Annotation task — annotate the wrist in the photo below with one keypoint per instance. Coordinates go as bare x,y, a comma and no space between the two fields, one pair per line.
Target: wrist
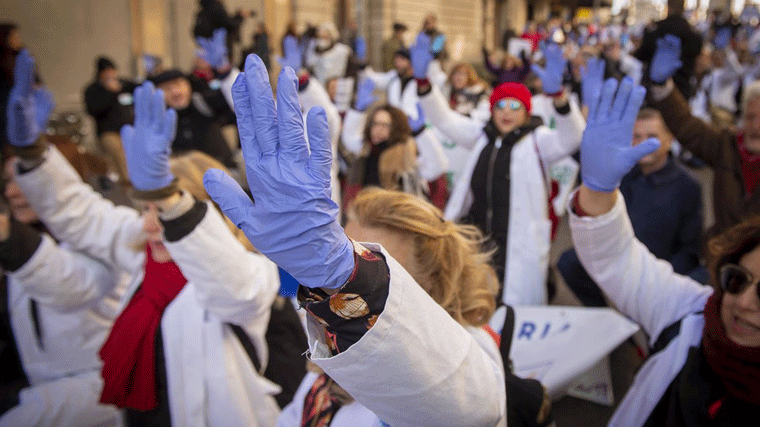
33,153
588,202
658,92
175,205
156,194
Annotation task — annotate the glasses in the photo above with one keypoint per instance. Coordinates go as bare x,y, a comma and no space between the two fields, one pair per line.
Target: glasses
381,124
508,103
735,279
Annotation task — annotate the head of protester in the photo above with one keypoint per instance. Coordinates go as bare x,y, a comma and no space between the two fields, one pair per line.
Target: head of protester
510,107
176,87
402,63
649,124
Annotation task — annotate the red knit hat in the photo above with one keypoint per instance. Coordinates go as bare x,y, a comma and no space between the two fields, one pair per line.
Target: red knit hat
511,90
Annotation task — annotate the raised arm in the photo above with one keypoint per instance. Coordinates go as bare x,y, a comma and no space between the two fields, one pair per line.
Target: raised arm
295,224
640,285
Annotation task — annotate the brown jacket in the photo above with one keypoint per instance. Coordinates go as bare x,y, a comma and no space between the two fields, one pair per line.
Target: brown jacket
717,148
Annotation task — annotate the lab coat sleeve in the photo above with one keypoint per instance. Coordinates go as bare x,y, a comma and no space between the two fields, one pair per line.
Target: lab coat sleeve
353,127
415,366
460,129
565,139
432,161
77,215
643,287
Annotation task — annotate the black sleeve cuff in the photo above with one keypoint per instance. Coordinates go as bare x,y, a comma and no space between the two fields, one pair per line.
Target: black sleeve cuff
563,110
19,247
176,229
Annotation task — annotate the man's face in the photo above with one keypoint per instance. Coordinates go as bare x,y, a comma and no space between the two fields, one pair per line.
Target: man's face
403,66
177,93
652,128
430,22
751,125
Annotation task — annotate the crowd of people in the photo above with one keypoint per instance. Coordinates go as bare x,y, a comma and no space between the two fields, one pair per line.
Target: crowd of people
409,203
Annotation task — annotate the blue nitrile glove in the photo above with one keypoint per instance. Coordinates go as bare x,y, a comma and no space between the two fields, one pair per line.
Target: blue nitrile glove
360,49
364,96
722,38
147,144
436,46
421,56
291,54
23,123
44,105
592,80
606,151
419,123
666,60
552,76
215,48
292,220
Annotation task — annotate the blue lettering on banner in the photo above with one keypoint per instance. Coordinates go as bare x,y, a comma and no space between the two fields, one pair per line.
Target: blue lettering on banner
528,328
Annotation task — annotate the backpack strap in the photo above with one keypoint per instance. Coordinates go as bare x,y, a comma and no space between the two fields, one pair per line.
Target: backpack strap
248,346
667,335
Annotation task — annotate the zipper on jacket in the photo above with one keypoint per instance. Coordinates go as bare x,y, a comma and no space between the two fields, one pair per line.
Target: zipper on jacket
489,187
35,314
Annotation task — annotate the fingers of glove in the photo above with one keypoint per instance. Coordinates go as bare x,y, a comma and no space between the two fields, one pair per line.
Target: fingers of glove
262,104
24,73
289,117
157,109
648,146
127,134
420,113
608,97
635,101
540,72
142,104
621,98
320,161
673,44
226,193
242,102
169,126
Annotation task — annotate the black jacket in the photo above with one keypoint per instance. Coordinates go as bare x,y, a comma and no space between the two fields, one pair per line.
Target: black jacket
105,107
199,127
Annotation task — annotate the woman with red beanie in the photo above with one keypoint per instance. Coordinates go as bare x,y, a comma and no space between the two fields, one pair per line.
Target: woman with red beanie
704,365
503,188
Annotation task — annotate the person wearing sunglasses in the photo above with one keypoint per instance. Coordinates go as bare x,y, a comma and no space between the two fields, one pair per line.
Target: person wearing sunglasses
502,189
704,365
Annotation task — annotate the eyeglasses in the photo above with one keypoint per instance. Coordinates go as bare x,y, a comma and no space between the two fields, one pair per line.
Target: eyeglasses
735,279
508,103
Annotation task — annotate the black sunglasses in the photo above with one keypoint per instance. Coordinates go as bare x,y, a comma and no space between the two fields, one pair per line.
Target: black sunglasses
735,279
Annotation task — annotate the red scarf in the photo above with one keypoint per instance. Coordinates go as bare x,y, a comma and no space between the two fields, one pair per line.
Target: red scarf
738,367
129,370
750,166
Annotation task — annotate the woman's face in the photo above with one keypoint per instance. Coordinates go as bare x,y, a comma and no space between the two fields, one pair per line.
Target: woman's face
14,40
740,313
459,79
508,115
380,127
154,233
19,206
398,245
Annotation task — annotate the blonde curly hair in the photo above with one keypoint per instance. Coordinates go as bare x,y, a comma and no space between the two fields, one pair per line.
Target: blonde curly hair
449,259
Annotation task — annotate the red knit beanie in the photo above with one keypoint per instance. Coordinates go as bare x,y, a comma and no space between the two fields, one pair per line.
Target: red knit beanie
511,90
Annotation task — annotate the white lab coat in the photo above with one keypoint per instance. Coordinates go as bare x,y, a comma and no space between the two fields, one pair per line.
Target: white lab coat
647,290
417,366
529,227
211,380
77,300
331,63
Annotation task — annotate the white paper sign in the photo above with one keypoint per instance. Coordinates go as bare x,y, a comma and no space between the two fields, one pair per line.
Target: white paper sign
595,385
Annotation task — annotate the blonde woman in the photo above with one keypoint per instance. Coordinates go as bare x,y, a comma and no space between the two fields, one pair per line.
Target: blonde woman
444,258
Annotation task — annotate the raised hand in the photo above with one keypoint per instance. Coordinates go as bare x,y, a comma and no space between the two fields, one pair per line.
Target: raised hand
23,122
606,151
419,123
556,64
421,56
592,80
44,105
215,49
291,54
360,49
722,38
666,60
364,96
292,219
147,144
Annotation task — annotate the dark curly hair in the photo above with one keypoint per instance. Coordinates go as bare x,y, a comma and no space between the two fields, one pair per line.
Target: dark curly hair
400,130
732,244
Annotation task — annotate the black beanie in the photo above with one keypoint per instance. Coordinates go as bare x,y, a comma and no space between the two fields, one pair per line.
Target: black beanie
104,63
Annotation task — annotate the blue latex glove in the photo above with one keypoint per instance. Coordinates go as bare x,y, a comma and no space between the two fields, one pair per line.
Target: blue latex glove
606,151
293,220
360,49
215,49
421,56
556,64
147,144
666,60
22,116
364,96
437,45
291,54
44,105
722,38
592,80
419,123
